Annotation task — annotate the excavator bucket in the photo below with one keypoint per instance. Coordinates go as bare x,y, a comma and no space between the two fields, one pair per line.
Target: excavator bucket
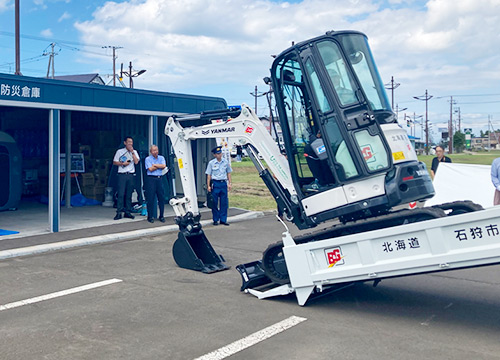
252,275
193,251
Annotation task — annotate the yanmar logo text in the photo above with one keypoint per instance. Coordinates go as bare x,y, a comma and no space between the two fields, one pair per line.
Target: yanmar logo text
223,130
219,131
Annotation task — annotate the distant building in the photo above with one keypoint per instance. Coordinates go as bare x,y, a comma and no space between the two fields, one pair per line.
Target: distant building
480,143
82,78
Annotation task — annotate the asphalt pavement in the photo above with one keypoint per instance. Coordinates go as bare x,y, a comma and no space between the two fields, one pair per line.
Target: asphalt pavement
151,309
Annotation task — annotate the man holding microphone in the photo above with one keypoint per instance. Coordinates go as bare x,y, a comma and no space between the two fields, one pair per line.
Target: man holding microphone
126,159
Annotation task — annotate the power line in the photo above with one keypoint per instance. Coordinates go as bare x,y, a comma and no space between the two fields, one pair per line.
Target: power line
481,102
39,38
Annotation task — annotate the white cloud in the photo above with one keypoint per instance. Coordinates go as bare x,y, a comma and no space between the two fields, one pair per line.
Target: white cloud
64,16
40,3
212,45
4,5
46,33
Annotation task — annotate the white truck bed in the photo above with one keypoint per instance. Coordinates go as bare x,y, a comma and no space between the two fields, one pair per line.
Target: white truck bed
448,243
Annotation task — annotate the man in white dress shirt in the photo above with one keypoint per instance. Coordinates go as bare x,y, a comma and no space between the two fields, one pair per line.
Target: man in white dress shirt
126,159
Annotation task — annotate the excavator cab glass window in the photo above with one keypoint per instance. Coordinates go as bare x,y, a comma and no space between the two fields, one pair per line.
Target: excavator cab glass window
361,60
309,154
343,162
340,77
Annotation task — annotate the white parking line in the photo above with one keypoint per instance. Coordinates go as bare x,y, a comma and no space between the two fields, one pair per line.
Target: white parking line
252,339
58,294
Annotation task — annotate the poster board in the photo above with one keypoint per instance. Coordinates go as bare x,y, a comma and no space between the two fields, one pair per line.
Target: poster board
454,182
77,163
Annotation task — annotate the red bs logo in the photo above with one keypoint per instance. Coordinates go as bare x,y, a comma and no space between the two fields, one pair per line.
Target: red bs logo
367,152
334,257
249,129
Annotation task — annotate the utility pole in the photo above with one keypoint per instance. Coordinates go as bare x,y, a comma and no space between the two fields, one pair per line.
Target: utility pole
18,42
457,110
426,98
130,82
255,94
450,126
51,61
490,126
114,60
489,134
391,86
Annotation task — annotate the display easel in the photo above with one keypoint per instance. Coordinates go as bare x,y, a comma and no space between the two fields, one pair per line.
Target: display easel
77,166
73,175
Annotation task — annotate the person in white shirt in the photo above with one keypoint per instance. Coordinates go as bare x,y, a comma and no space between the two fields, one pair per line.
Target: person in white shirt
125,158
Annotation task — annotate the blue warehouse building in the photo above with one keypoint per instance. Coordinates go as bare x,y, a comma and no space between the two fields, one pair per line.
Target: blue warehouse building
42,120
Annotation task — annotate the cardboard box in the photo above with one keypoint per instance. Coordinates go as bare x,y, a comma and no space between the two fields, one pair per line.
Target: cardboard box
86,150
87,179
105,152
99,193
30,174
88,191
101,179
93,192
102,165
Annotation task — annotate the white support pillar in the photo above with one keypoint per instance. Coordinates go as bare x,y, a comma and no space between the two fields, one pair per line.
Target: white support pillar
54,176
67,191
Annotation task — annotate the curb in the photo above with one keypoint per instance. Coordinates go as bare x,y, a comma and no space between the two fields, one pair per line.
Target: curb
100,239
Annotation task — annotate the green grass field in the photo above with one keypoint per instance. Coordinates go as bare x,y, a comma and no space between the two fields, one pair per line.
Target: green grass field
249,191
482,158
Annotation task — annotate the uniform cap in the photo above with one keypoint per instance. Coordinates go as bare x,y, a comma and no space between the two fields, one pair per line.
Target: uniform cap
217,150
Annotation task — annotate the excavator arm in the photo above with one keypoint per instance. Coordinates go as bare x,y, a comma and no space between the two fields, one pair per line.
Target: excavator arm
248,131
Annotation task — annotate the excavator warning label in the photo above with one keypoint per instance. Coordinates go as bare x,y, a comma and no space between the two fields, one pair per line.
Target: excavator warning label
334,256
180,164
398,155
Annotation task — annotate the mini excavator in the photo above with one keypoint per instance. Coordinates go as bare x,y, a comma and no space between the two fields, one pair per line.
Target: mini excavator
347,159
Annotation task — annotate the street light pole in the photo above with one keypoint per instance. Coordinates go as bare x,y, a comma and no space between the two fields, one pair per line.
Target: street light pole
415,117
130,73
393,85
426,98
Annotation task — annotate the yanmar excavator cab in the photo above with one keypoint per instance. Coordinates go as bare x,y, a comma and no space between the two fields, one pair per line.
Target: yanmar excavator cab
345,158
348,156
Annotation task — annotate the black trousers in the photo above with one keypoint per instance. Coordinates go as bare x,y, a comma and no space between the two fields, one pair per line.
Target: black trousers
126,185
154,189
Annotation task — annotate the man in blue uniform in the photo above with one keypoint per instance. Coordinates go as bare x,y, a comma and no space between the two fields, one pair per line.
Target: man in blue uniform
219,183
154,188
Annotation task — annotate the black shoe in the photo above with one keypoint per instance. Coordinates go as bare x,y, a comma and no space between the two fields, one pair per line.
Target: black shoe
162,219
151,220
118,216
224,223
129,216
216,223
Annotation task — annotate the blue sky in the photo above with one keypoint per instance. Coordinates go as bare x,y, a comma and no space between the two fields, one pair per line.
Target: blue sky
224,47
